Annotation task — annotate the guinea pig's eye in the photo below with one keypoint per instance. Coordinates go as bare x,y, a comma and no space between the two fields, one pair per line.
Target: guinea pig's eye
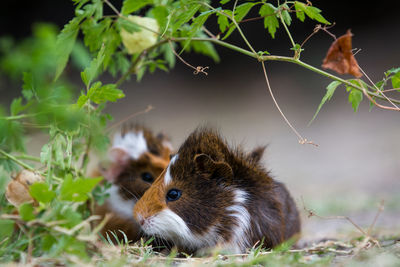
174,194
147,177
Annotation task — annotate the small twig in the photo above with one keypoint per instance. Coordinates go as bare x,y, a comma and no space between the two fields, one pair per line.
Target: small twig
311,213
11,157
210,34
376,103
112,7
317,28
148,109
378,90
197,69
301,139
380,209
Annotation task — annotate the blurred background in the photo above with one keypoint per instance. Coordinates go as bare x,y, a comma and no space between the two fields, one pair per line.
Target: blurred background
357,162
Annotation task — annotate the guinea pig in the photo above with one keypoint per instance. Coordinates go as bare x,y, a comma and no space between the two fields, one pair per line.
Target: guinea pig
211,195
136,159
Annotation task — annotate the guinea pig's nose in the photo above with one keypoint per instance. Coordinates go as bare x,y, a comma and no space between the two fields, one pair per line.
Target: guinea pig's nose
141,221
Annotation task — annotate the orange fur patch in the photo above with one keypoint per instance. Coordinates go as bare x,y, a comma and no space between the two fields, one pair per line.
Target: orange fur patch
153,200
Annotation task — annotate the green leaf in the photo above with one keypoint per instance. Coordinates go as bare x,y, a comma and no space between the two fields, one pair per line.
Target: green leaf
65,43
16,107
45,154
205,48
127,25
242,10
6,229
77,190
101,94
310,11
184,17
392,71
91,71
161,13
130,6
222,22
198,22
26,212
169,56
28,86
285,14
355,97
396,80
223,2
299,11
41,192
270,21
330,89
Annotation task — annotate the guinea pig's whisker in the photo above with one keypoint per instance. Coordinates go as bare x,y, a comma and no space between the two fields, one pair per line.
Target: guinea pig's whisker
127,190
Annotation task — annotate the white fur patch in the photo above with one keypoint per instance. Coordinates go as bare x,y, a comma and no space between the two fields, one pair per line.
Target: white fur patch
239,241
167,176
167,224
133,143
118,204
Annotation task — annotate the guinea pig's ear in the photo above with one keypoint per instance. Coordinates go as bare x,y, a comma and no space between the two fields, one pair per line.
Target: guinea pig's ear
217,169
256,155
166,144
119,159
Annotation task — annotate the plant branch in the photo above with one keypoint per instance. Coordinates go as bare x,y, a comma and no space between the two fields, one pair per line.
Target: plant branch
20,163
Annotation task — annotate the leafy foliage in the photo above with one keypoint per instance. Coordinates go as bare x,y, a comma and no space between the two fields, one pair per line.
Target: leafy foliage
59,220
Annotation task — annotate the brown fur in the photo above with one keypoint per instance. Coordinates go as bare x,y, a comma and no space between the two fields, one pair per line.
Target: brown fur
210,175
125,173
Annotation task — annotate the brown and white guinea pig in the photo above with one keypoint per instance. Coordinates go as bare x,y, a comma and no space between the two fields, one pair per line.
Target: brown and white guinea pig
136,159
211,195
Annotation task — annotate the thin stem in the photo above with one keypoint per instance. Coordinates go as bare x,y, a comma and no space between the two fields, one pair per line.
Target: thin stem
112,7
22,116
286,28
301,139
377,89
11,157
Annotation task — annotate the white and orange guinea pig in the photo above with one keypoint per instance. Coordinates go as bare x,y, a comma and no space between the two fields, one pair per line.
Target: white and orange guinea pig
136,159
211,195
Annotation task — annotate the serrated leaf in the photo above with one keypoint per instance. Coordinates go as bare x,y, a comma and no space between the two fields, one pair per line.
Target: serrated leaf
198,22
223,22
128,25
28,86
286,15
205,48
41,192
392,71
299,11
396,80
77,190
130,6
242,10
65,43
355,98
91,71
330,89
311,11
161,13
270,21
45,154
16,106
184,17
101,94
169,55
26,212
